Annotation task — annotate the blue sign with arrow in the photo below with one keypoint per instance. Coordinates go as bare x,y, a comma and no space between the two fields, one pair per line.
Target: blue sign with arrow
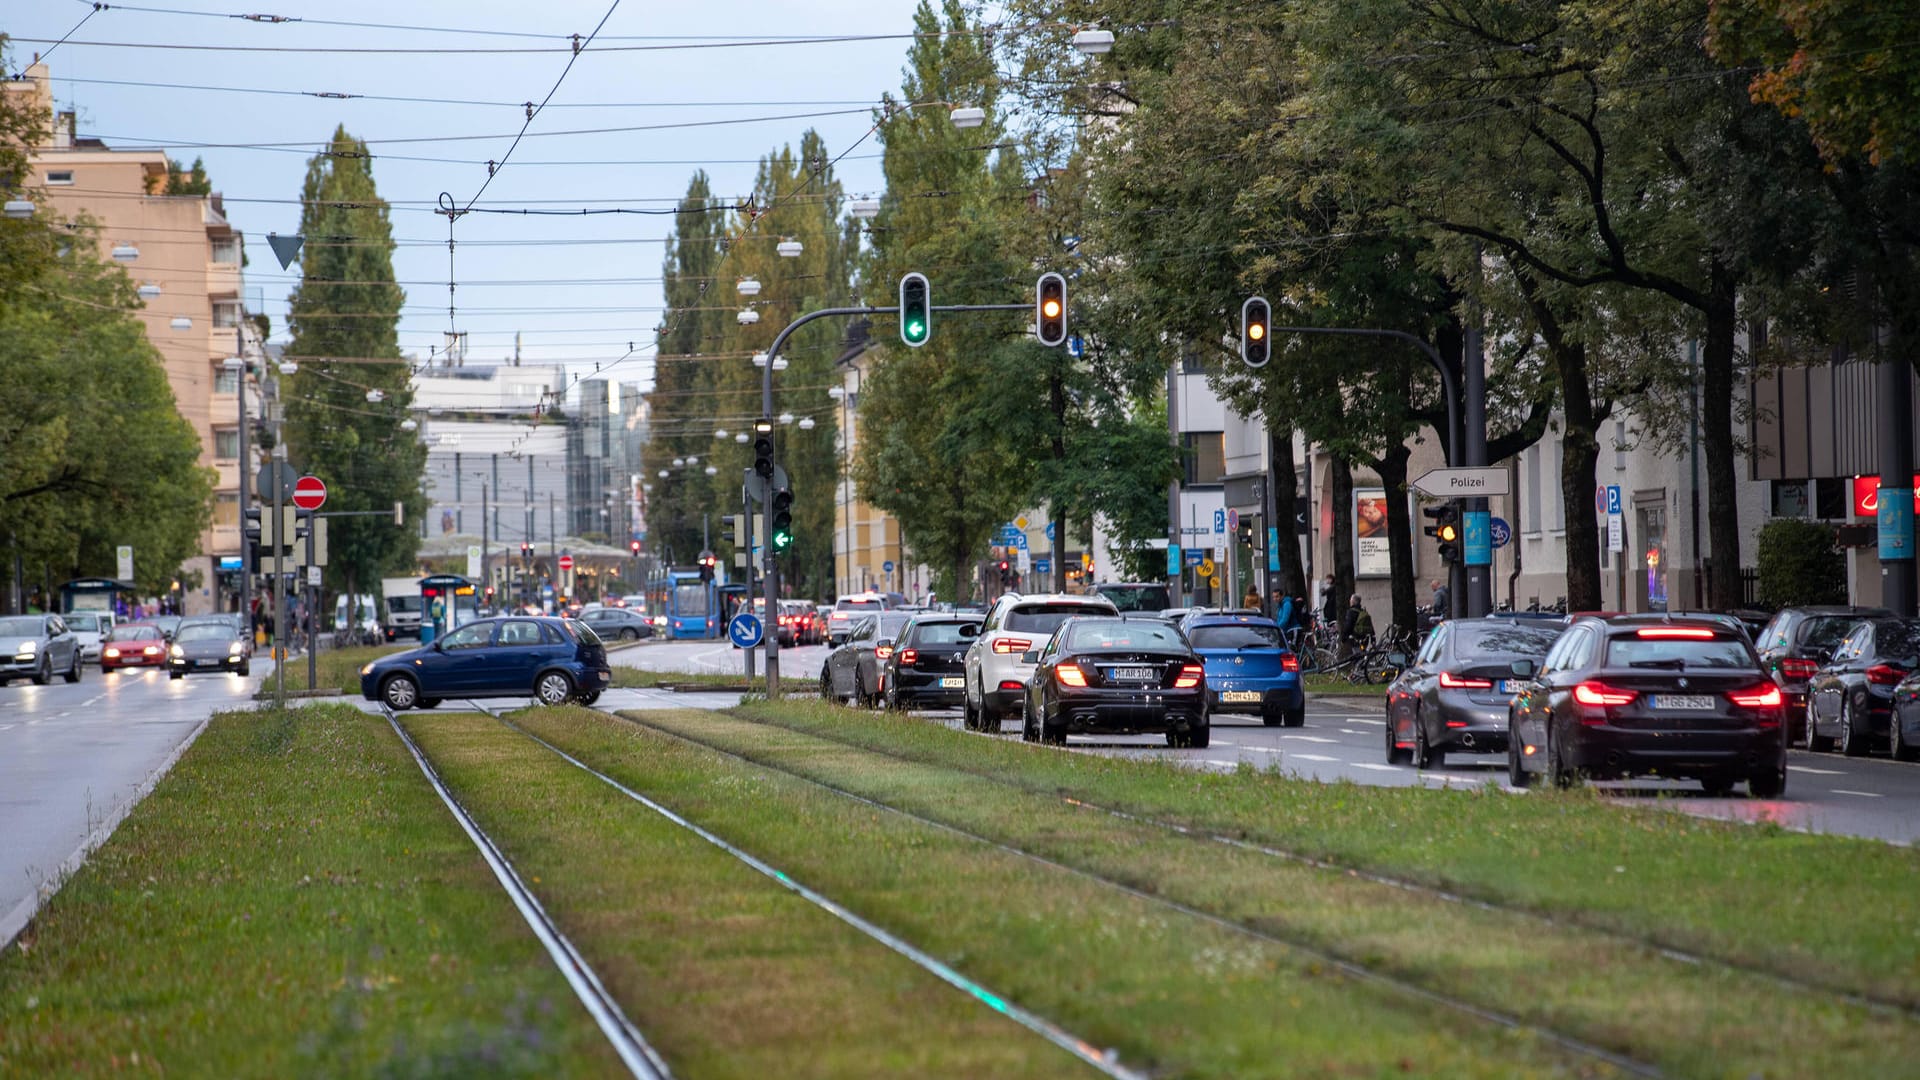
745,631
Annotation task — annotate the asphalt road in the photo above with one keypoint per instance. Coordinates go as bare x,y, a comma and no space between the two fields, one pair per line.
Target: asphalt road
1344,739
73,757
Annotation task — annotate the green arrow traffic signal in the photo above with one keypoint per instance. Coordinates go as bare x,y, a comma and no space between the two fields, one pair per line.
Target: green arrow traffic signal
916,310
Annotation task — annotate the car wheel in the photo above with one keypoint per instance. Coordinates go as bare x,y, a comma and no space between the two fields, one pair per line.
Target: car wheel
1050,734
176,674
1557,770
1273,716
400,692
245,669
589,697
426,702
826,685
553,688
73,673
1902,749
1717,787
968,718
1767,785
629,634
1424,755
1517,775
1816,742
45,675
861,699
1029,730
1853,742
1396,754
990,717
1297,717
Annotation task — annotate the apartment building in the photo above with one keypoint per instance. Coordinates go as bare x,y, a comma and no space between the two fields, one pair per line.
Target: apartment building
868,552
185,259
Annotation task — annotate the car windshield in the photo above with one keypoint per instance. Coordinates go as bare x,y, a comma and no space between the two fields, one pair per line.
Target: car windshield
84,623
1511,639
890,626
134,633
1897,639
22,626
940,633
1632,650
863,605
1102,634
690,599
1825,631
1136,597
1045,620
204,632
1236,636
400,604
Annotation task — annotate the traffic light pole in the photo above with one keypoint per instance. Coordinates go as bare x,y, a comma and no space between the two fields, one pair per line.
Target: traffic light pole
770,563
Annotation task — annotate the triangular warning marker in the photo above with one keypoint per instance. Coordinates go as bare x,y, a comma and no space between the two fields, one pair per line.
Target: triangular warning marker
285,247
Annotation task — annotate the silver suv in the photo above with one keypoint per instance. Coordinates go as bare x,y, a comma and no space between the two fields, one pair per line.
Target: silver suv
996,676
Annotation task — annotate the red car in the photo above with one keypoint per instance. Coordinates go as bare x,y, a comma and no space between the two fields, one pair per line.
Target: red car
133,645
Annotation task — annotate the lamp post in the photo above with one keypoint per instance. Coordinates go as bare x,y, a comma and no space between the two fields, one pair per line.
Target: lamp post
238,365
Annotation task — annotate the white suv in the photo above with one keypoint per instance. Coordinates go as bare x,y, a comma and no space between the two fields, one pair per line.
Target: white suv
996,676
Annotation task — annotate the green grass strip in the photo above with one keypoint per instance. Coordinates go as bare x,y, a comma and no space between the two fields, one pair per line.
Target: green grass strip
1175,994
1757,895
291,900
1687,1018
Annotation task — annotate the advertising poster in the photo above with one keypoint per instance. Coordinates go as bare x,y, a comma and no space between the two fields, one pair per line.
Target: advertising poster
1372,553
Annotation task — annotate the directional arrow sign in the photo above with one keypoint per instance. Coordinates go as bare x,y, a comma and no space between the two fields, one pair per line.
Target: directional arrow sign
1462,483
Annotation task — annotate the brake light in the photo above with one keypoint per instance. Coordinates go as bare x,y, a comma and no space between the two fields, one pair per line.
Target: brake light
1455,682
1794,667
1190,676
1885,674
1011,645
881,652
1289,662
1689,633
1764,696
1070,675
1598,693
908,657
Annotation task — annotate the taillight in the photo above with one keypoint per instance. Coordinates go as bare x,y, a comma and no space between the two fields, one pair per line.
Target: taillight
1289,662
908,657
1794,667
1598,693
1070,675
1455,682
1690,633
881,652
1764,696
1884,674
1190,676
1011,645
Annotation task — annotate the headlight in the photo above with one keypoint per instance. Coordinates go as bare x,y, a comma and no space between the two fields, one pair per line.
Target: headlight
178,652
113,652
368,670
29,646
152,650
233,648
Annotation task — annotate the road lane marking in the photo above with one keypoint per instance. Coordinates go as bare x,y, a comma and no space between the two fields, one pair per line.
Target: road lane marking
1376,767
1310,738
1262,749
1313,757
1364,720
1217,761
1861,794
1816,772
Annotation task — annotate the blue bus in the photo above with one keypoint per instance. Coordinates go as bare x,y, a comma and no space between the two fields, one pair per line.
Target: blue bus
691,606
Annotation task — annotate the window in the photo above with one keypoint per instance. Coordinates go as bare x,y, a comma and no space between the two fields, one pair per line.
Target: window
1790,498
226,250
1205,456
226,509
225,381
226,443
1236,636
61,177
1557,519
1531,522
1192,362
519,632
226,313
468,637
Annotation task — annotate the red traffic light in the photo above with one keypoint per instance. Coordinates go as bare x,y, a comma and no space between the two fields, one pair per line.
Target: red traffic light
633,546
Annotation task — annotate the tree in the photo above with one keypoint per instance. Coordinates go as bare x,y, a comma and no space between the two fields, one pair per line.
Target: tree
344,319
182,180
689,340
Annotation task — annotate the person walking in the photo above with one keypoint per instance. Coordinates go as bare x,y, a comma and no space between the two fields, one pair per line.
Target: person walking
1356,628
1442,599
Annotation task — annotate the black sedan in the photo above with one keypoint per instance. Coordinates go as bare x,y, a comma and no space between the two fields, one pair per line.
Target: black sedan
928,668
1107,675
1649,696
552,660
1796,642
207,646
852,669
1850,698
611,624
1454,696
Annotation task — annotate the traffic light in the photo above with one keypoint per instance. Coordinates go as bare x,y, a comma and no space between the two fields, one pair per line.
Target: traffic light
1256,326
634,546
734,531
1445,529
763,453
707,563
782,519
1050,309
526,550
916,310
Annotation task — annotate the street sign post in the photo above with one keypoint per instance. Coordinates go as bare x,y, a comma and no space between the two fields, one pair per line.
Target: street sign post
274,481
1462,483
566,563
744,630
309,493
1502,533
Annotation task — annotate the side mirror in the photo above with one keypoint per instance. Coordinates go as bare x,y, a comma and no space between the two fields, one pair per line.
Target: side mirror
969,630
1823,657
1031,656
439,646
883,643
1522,668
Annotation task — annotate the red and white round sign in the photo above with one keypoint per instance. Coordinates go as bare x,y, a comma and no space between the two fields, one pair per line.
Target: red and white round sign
309,493
566,562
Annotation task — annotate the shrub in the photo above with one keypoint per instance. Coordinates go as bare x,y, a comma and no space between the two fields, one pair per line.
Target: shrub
1799,564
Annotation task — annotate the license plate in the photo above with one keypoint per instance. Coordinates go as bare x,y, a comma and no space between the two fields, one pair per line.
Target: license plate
1696,702
1240,695
207,663
953,682
1135,674
1505,686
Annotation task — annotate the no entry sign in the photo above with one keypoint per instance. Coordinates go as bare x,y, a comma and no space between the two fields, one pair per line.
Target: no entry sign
566,562
309,493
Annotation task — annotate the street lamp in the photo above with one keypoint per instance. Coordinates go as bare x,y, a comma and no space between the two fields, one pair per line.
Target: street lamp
712,471
747,317
741,438
288,367
806,423
148,291
663,474
678,462
181,322
836,392
409,424
789,248
1093,42
866,209
759,359
719,433
968,116
125,252
747,287
19,208
375,397
786,418
779,363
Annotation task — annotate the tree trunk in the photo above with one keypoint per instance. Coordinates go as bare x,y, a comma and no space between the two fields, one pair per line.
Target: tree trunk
1341,494
1580,451
1393,477
1717,366
1282,481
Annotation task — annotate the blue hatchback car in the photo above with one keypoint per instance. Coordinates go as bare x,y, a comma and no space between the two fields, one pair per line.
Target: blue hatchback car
550,660
1249,668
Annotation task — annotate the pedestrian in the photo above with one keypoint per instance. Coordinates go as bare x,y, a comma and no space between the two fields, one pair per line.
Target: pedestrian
1283,612
1356,628
1441,599
1326,600
1252,599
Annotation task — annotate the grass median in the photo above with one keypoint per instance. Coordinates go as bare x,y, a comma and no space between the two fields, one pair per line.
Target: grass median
1757,895
291,900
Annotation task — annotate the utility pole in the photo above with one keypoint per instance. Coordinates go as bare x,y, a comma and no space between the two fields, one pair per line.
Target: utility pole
1895,517
246,465
486,580
280,544
1476,547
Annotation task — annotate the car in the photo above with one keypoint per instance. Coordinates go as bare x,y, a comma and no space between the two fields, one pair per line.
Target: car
206,646
1648,695
1135,595
823,613
851,671
928,665
792,625
996,668
135,644
168,624
1453,697
1250,670
1113,676
1850,697
847,611
622,624
38,647
1903,727
233,621
1796,642
550,659
90,628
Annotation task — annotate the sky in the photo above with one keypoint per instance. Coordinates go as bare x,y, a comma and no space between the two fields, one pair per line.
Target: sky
571,300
